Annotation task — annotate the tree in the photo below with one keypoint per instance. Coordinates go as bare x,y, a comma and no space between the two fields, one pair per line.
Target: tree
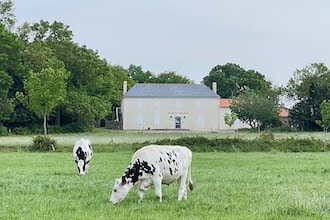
137,74
232,80
7,16
308,88
325,113
11,75
6,104
230,119
259,110
44,91
90,77
170,77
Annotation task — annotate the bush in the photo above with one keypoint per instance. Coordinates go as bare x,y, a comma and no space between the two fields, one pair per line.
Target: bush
76,128
41,143
3,131
266,142
21,130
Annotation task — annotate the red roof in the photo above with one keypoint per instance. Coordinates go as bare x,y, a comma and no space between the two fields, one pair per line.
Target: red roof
225,103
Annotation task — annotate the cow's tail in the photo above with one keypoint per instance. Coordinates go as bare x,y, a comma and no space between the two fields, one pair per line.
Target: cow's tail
190,182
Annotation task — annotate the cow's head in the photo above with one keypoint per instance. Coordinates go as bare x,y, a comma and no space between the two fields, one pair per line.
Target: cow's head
81,161
120,190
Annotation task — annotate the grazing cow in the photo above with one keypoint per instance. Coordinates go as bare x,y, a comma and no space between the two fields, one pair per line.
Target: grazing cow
82,153
155,165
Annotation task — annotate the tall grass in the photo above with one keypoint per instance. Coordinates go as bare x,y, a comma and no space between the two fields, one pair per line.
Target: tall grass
227,186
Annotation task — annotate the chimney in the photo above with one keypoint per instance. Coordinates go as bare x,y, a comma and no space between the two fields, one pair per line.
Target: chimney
124,87
214,87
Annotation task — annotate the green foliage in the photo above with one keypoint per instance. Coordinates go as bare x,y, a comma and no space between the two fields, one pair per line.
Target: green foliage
7,16
45,90
42,143
257,109
3,130
309,87
137,74
265,143
170,77
230,118
325,113
233,80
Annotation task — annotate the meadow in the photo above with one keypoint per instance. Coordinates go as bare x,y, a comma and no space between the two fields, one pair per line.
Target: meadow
255,185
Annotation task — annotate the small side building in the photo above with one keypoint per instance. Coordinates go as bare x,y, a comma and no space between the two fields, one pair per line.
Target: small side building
155,106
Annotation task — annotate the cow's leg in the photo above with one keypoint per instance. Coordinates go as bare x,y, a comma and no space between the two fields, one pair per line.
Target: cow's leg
158,188
182,194
141,194
86,167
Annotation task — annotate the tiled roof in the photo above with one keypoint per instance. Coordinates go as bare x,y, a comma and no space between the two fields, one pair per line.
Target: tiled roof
284,112
225,103
170,90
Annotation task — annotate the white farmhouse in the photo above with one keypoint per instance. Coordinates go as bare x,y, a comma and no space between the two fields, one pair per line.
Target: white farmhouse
153,106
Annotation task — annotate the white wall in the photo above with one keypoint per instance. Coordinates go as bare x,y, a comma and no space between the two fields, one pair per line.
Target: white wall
161,113
224,127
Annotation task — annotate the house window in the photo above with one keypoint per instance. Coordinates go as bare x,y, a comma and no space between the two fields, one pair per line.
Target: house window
139,120
138,104
201,121
178,104
198,104
157,105
156,120
177,122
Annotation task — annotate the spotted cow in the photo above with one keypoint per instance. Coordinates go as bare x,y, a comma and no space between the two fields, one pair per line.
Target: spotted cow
82,153
155,165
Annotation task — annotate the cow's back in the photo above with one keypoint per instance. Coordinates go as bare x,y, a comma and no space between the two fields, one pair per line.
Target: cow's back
169,161
85,146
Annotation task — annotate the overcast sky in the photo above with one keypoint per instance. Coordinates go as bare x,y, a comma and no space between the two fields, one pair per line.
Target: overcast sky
190,37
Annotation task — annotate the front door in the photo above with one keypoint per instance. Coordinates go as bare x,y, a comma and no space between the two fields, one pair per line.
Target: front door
177,122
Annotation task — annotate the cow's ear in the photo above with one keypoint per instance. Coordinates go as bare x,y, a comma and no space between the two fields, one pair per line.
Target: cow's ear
123,181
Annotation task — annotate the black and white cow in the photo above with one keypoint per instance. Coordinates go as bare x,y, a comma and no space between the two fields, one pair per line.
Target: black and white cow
155,165
82,154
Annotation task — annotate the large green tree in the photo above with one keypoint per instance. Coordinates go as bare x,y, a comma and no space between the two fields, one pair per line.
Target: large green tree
170,77
11,74
90,81
308,87
232,80
44,91
259,110
45,85
6,104
137,74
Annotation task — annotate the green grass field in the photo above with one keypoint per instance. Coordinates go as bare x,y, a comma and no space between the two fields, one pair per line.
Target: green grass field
227,186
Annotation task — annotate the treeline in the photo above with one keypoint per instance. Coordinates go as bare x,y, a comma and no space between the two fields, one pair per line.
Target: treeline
47,81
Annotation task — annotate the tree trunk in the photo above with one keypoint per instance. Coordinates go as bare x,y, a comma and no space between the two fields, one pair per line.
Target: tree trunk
45,125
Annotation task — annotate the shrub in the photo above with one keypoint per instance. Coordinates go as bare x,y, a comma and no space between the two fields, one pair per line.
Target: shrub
21,130
41,143
76,128
3,130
